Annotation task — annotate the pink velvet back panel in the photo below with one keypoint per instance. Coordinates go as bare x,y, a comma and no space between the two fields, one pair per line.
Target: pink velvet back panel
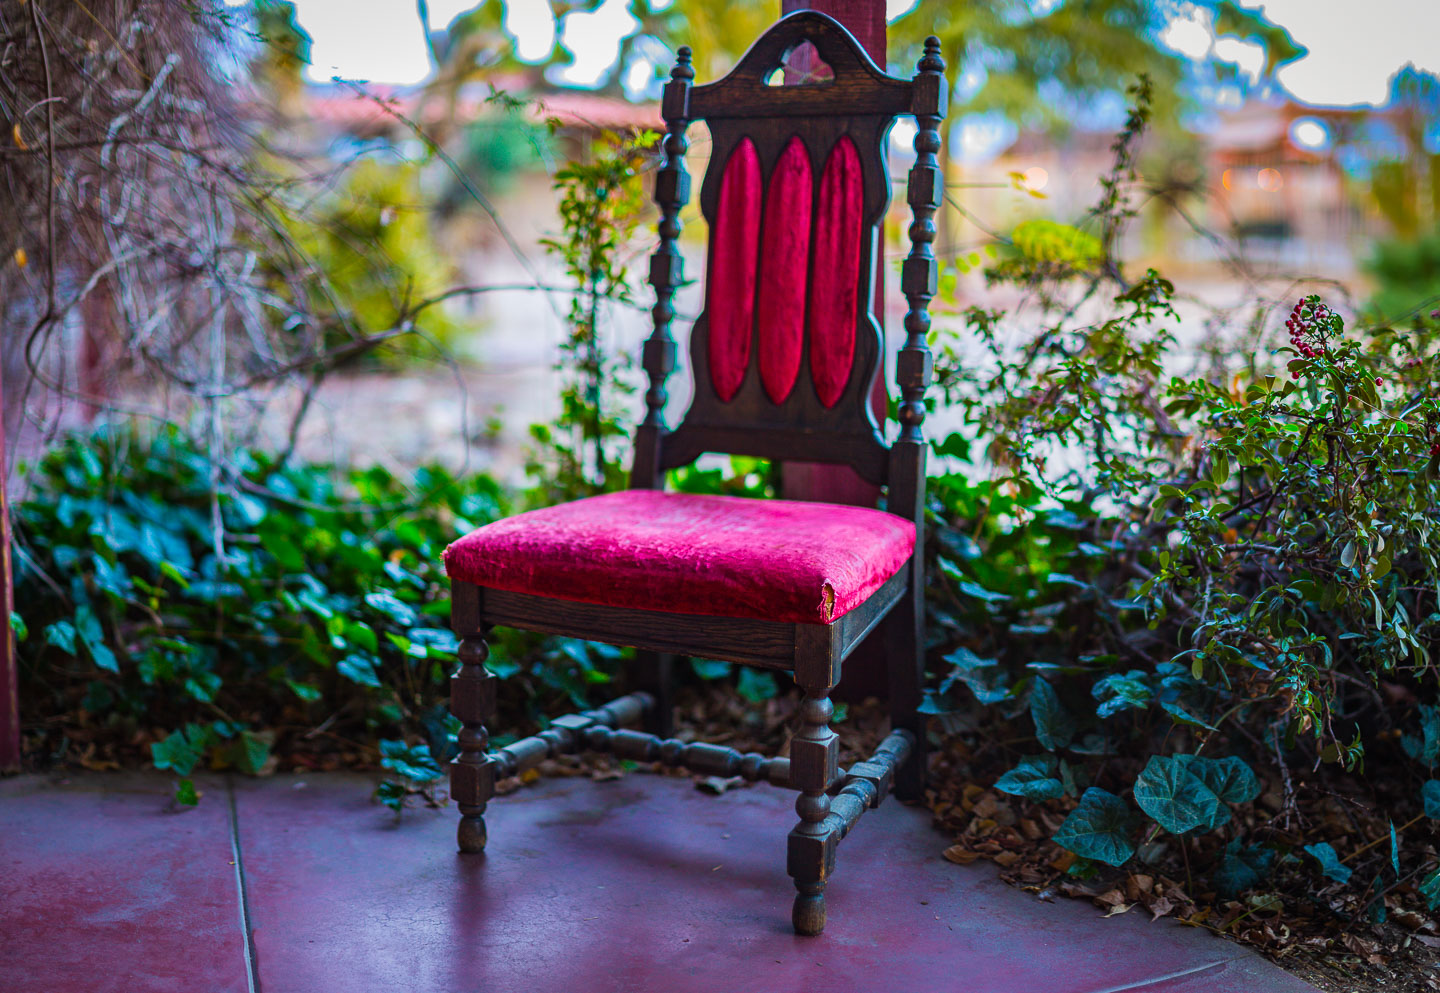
734,248
835,278
784,254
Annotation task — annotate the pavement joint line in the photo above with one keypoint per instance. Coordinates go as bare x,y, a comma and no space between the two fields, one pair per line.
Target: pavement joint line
1145,984
251,979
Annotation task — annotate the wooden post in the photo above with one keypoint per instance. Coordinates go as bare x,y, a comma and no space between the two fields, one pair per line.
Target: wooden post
9,667
865,669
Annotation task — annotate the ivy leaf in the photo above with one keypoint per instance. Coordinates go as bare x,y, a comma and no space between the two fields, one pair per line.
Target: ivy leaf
391,794
1229,778
1430,890
1116,692
1241,867
1330,863
756,685
61,634
1430,797
1426,748
87,626
304,691
1054,727
709,669
285,552
185,792
412,762
984,676
250,752
1099,828
1176,798
359,668
392,607
1034,778
981,593
176,752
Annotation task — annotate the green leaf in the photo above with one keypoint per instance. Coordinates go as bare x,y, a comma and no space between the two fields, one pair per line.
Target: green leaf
391,794
1241,867
1427,747
1430,890
61,634
1430,797
1099,828
304,691
249,752
980,592
361,635
359,668
414,762
1330,863
1116,692
392,607
1229,778
87,625
176,752
1183,716
1054,727
279,545
983,676
709,669
1176,798
1394,850
185,792
17,625
1034,778
756,685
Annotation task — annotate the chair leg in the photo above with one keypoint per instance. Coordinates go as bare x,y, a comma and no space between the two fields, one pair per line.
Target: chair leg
472,776
906,650
654,672
814,754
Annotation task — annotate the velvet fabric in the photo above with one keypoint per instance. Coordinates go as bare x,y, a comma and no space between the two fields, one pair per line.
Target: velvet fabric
784,261
779,560
835,276
734,249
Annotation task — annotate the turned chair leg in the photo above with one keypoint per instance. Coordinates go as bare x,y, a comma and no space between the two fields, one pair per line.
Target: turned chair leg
472,776
906,651
654,673
814,754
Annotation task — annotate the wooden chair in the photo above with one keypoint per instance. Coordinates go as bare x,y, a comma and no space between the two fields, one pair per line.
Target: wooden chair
785,357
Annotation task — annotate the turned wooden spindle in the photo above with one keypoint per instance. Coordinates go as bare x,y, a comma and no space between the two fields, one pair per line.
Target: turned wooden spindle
667,271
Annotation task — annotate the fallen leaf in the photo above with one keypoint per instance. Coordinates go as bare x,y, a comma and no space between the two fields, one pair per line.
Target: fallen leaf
960,856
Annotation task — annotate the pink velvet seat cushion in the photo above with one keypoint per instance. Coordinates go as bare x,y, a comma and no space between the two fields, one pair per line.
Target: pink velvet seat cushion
781,560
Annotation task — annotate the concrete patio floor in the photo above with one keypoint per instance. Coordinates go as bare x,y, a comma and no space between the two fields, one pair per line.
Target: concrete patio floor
301,883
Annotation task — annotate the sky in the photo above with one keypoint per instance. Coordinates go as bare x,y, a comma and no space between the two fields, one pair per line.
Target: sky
1354,48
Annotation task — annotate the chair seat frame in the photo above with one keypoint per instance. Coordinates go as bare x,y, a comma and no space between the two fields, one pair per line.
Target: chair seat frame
830,800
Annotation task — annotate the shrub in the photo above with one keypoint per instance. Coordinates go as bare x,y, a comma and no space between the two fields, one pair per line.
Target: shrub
1206,571
231,602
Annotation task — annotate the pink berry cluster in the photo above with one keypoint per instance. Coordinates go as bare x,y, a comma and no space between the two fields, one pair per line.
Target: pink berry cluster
1307,323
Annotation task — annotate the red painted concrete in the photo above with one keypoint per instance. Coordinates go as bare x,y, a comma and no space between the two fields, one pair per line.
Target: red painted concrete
645,884
102,889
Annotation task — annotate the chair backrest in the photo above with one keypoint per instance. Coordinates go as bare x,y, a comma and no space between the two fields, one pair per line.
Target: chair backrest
786,349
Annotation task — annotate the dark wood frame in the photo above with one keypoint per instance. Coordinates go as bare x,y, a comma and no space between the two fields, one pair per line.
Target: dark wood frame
860,101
